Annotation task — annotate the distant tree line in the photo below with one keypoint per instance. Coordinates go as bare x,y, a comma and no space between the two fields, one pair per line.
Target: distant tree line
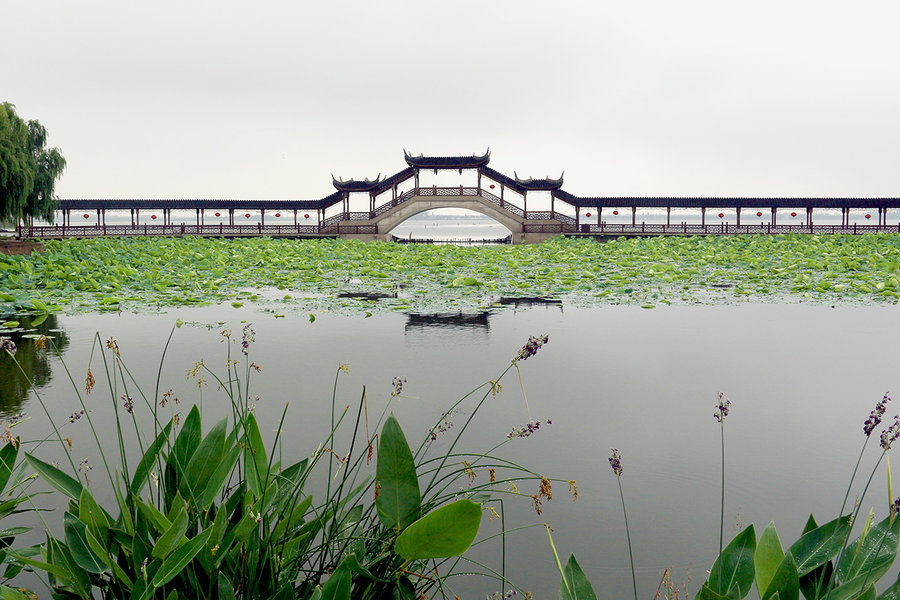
28,170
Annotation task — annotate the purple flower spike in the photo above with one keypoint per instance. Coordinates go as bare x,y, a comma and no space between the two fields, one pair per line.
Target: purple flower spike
890,435
248,337
722,408
875,416
397,382
615,461
531,347
8,345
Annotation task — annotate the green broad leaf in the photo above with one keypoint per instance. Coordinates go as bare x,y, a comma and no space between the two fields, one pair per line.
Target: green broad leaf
8,455
767,557
785,582
817,547
76,539
574,584
404,589
442,533
180,558
205,460
855,588
187,441
399,500
706,593
103,554
59,571
893,592
62,482
173,537
153,516
733,569
147,461
91,514
338,585
814,583
219,477
61,557
226,590
8,593
255,462
873,553
39,305
868,594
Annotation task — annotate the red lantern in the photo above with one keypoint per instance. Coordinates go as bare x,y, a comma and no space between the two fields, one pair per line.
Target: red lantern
152,216
868,216
87,216
721,215
759,214
306,216
793,214
492,186
587,214
218,214
247,215
615,212
277,214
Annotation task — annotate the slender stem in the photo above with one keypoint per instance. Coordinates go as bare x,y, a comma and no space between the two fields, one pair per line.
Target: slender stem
628,536
722,507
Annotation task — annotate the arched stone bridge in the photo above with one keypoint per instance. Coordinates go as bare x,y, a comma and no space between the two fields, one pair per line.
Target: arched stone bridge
532,209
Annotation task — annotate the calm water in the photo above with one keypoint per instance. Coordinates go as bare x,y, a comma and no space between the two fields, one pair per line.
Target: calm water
802,379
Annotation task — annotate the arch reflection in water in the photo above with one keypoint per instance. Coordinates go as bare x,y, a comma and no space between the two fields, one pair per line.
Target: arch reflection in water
37,339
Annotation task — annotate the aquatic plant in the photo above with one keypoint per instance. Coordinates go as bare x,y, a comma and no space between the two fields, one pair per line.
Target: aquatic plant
215,512
112,274
822,564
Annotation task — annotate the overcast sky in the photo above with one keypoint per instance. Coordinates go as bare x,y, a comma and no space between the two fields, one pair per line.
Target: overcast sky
234,99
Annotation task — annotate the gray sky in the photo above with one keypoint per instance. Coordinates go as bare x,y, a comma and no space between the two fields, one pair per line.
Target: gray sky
266,99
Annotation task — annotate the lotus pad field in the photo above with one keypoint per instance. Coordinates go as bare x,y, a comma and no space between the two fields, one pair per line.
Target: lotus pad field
154,274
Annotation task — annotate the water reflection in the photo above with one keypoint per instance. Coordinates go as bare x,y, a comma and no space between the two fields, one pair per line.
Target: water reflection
33,357
530,302
460,320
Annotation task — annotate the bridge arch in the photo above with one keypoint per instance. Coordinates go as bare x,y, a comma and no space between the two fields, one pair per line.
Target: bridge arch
418,204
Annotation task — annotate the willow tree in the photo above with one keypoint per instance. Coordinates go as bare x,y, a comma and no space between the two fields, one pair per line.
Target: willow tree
28,170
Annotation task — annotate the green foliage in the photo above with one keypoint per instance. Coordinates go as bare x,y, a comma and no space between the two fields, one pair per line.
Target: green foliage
213,512
120,274
28,170
574,584
444,532
399,500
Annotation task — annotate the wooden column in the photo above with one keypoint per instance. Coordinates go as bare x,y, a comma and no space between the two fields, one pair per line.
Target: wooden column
809,221
703,216
738,209
633,216
668,216
774,213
